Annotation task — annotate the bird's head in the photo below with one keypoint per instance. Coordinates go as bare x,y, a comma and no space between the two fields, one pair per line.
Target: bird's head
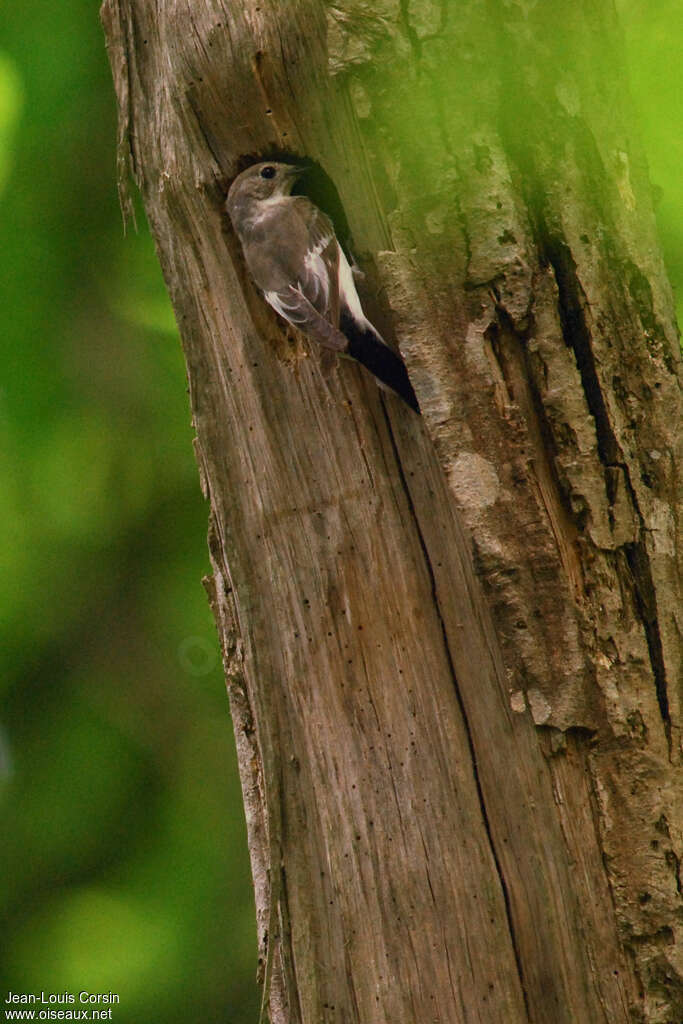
267,180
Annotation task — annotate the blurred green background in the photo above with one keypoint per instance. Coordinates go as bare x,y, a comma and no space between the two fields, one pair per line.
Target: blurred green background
123,859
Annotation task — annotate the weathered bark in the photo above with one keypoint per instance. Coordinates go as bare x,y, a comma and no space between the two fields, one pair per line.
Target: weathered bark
452,643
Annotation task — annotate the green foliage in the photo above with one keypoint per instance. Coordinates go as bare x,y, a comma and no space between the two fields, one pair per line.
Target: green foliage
11,100
653,33
123,861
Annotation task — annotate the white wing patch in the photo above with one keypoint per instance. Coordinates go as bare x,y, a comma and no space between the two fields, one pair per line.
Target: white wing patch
347,290
288,310
316,265
273,299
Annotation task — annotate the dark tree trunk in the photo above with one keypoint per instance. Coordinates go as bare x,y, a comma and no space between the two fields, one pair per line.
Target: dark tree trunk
452,644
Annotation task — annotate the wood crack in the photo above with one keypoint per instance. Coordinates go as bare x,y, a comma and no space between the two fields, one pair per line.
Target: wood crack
411,34
466,725
192,103
577,335
510,354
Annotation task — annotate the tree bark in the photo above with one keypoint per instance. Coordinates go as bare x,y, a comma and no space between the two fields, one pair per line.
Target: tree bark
452,643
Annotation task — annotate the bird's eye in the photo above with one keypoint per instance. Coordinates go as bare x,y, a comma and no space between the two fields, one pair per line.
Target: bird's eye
268,172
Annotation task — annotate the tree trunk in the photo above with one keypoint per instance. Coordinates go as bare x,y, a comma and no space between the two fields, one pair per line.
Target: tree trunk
452,643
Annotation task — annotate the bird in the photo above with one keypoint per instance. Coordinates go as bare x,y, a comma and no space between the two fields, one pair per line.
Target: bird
293,255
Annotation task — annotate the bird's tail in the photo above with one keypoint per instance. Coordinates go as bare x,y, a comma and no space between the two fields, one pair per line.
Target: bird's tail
367,346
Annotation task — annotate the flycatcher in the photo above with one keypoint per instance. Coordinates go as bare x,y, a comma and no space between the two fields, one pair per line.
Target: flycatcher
294,257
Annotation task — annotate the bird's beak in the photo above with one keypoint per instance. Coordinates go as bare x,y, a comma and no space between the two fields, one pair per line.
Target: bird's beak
295,171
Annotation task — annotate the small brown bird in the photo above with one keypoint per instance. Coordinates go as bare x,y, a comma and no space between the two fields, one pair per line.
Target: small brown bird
294,257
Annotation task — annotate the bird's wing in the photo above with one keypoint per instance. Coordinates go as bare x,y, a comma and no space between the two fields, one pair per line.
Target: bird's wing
293,255
296,260
318,277
291,303
293,246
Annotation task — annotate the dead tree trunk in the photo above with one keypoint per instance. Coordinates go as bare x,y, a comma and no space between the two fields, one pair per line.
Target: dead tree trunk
452,643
